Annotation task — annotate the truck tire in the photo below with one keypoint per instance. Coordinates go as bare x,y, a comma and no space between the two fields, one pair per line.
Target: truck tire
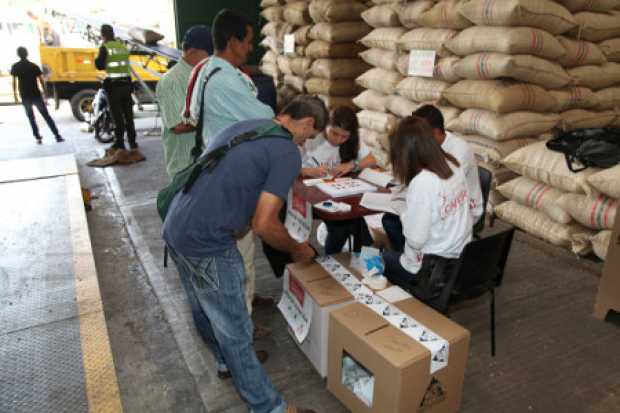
81,104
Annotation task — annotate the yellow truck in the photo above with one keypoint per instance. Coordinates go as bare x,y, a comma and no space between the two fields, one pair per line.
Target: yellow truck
71,75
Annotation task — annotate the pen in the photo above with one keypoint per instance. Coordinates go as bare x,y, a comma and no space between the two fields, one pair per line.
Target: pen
315,161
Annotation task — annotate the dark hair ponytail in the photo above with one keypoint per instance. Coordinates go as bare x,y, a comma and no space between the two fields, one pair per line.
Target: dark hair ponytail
345,118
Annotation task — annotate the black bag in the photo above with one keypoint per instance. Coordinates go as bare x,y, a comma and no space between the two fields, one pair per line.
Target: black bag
584,148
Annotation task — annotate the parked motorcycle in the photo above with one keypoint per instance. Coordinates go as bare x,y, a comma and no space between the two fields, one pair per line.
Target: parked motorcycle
101,120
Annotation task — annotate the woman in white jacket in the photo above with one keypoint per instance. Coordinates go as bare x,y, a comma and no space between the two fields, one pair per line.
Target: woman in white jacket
437,221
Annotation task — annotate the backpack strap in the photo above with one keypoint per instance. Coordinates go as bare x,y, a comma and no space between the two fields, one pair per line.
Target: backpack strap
210,160
198,140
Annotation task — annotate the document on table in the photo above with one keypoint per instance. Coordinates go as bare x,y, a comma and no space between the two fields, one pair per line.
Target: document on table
383,202
342,187
381,179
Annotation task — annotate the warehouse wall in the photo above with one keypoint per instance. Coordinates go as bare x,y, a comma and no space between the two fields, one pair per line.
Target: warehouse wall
191,12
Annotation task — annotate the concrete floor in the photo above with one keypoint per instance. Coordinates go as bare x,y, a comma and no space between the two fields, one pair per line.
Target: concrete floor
551,356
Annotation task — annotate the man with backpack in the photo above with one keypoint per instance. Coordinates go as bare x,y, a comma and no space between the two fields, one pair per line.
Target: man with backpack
203,245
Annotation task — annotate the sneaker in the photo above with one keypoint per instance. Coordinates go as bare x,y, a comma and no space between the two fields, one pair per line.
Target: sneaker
39,141
59,139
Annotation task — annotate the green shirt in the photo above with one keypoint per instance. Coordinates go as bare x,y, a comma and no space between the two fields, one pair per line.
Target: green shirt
171,92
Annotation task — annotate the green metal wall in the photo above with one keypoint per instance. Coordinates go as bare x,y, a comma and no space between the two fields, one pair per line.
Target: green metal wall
191,12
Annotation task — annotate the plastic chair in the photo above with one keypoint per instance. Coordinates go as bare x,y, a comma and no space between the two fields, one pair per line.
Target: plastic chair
482,270
486,177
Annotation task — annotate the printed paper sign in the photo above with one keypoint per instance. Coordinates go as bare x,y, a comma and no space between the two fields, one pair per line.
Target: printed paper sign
422,63
298,217
297,315
289,43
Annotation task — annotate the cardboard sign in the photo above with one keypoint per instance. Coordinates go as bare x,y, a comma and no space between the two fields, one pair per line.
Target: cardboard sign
422,63
289,43
608,297
298,217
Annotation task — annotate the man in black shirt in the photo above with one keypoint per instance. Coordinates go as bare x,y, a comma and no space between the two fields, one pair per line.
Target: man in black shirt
27,73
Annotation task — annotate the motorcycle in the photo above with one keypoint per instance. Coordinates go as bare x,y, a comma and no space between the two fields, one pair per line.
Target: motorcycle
101,120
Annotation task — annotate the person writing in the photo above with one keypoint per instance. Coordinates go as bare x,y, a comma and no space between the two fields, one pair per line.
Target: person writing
338,151
203,246
438,221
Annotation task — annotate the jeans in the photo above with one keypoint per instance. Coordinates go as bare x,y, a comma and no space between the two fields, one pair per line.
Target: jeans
394,229
121,107
217,284
338,232
40,105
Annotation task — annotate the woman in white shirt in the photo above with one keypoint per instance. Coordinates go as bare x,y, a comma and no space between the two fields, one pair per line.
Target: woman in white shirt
338,152
437,221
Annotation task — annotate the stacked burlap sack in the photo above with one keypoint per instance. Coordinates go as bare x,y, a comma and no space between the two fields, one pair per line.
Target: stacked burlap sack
334,50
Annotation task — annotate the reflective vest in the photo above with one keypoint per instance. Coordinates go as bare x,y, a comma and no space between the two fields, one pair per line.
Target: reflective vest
117,62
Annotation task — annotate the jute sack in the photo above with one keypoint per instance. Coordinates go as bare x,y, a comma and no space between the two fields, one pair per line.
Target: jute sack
580,53
300,51
444,15
607,182
544,14
372,138
499,96
270,57
297,13
377,121
272,14
382,158
385,59
284,65
383,38
332,87
410,13
427,39
331,11
536,195
272,44
381,80
300,66
268,3
322,49
502,127
596,77
596,27
531,69
340,32
538,224
444,68
302,35
381,16
543,165
590,5
400,106
596,212
371,100
490,150
338,68
277,30
332,102
449,112
509,40
574,98
420,89
270,69
295,82
600,244
611,49
583,119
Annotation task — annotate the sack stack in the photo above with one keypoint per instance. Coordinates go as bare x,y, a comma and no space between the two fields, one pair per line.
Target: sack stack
334,49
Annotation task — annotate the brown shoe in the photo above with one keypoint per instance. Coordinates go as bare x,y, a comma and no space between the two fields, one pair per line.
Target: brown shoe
293,409
262,300
260,332
261,355
136,156
110,151
122,157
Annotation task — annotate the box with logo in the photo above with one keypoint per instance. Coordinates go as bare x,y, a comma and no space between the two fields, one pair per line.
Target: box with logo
375,367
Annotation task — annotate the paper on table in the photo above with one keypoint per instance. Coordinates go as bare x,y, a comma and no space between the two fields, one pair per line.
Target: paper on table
383,202
381,179
345,187
394,294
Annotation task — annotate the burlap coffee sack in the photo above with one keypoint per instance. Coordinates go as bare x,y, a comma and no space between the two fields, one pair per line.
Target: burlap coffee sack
269,69
596,27
321,49
583,119
377,121
596,77
607,182
427,39
383,38
420,89
273,14
580,53
381,80
295,82
371,100
373,139
268,3
284,65
444,15
297,13
385,59
332,102
503,126
400,106
491,150
302,35
332,11
338,68
590,5
333,87
611,49
381,16
600,244
277,30
300,66
593,212
344,32
574,98
409,13
444,68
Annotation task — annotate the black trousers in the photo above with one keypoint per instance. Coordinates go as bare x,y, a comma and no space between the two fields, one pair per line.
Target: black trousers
277,259
338,233
394,229
121,106
40,105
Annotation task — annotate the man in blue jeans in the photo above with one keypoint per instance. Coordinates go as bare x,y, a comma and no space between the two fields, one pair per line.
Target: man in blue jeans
246,188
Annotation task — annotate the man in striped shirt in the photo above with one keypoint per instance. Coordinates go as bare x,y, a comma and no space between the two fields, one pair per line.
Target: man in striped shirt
177,136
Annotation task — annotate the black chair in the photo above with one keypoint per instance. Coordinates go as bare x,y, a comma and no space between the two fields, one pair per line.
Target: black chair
482,270
437,291
486,177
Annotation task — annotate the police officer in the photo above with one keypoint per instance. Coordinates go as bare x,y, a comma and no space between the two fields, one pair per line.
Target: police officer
113,57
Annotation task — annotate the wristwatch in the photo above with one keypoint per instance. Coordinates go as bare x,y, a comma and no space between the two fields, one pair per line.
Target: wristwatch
356,166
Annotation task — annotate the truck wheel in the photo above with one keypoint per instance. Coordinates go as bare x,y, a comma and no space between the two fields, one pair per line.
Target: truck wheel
82,104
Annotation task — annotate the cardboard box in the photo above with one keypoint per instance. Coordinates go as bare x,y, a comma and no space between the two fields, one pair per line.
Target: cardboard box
608,297
316,290
399,365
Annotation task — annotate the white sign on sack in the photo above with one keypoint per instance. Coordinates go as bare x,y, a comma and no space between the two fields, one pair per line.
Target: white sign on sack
289,43
438,346
422,63
298,217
